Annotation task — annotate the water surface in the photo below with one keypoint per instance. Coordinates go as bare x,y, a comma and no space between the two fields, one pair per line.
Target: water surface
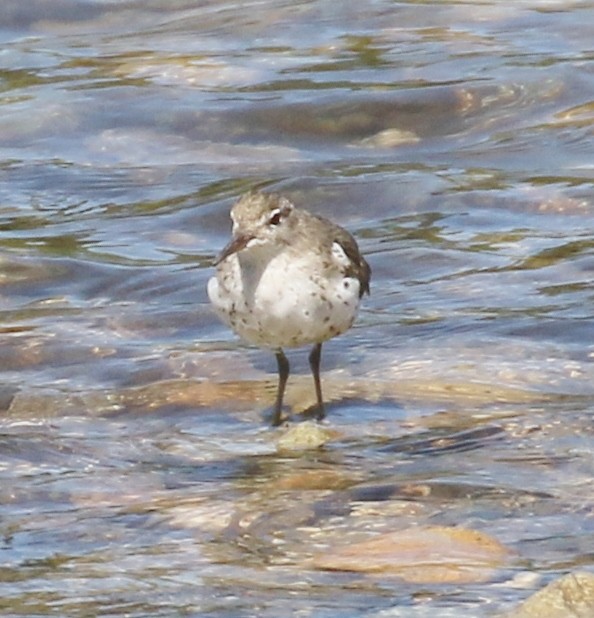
138,475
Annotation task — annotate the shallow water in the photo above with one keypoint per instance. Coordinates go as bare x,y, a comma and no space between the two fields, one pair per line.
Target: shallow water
138,474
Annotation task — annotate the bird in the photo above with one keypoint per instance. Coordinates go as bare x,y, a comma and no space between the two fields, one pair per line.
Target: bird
287,278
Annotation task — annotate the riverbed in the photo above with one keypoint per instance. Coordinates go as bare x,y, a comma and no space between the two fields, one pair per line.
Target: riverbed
139,475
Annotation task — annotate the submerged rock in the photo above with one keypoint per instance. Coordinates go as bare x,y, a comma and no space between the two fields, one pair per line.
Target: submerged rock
424,555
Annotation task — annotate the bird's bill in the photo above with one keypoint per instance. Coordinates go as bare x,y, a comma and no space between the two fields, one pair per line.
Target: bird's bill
237,243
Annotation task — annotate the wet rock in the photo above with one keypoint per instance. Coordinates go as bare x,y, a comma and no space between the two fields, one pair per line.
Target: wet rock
572,596
228,395
390,138
304,436
308,480
424,555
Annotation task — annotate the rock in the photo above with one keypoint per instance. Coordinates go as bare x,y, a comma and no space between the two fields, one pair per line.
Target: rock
571,596
423,555
390,138
313,480
304,436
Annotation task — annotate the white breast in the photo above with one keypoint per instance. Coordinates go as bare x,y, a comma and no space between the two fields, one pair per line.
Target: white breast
287,300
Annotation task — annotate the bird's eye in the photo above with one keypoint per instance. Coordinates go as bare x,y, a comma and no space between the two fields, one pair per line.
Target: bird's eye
275,218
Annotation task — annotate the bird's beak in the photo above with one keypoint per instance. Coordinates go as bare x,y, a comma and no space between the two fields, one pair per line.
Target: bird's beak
237,243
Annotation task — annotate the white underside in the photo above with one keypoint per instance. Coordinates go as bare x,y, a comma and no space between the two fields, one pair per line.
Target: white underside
283,301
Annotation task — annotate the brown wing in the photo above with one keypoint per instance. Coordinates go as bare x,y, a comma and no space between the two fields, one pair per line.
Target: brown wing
359,268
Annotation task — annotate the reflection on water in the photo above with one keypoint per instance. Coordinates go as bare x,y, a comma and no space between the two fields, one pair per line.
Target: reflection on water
137,473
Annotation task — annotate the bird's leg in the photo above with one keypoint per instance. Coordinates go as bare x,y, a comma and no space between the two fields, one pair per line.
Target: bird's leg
314,363
283,375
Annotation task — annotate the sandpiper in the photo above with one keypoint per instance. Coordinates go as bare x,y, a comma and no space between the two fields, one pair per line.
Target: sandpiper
287,278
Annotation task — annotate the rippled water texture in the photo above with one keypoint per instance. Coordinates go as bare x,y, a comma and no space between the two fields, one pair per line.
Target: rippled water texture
138,474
